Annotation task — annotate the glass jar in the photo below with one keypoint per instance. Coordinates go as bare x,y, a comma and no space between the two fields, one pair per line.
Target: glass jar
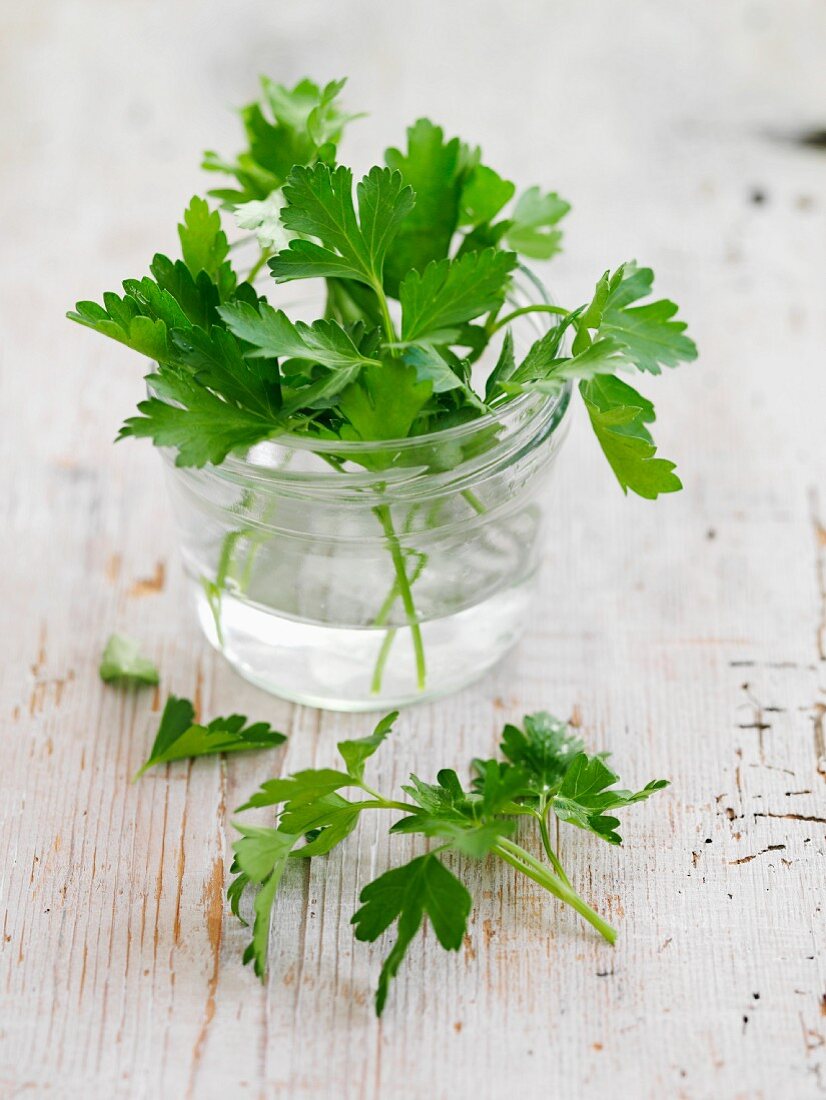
337,586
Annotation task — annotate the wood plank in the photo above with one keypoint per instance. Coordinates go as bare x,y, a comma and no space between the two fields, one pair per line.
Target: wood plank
688,637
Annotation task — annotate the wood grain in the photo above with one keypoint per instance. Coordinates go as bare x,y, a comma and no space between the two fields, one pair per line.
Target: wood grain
688,637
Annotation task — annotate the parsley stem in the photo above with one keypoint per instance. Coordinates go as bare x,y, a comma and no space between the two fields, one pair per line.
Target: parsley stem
522,310
552,856
259,263
523,861
381,660
387,320
384,517
390,635
474,502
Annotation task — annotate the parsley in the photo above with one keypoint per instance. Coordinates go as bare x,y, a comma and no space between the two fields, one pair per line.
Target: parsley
417,261
543,773
122,662
180,737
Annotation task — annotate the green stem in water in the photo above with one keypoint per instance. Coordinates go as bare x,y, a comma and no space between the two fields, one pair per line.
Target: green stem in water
523,861
382,513
506,320
381,660
390,635
474,502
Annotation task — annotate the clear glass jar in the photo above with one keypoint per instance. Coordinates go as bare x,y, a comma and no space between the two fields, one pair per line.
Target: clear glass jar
338,587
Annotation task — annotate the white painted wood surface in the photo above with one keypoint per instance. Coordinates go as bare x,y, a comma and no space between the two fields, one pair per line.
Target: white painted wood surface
689,637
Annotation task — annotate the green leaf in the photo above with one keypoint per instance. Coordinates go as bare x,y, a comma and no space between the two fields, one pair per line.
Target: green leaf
203,242
216,360
197,296
649,337
406,894
302,787
618,416
483,195
384,402
123,663
464,819
543,371
584,796
261,857
433,168
200,425
449,292
287,126
432,366
471,838
180,738
504,369
320,204
329,820
123,320
272,333
356,753
532,226
542,749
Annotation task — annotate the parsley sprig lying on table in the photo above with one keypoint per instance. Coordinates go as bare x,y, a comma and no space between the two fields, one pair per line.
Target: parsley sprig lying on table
544,774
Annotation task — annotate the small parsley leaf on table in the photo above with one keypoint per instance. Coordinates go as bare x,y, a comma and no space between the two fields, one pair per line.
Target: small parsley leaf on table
180,737
122,662
406,894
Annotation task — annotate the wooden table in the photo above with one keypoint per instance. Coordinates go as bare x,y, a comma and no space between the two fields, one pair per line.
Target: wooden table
689,637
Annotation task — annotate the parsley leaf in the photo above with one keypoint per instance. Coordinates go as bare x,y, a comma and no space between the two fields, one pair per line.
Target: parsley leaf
179,737
320,204
543,749
544,772
433,168
203,427
260,859
203,241
122,662
483,195
652,339
123,320
618,415
356,753
272,333
406,894
302,787
584,796
449,292
532,230
287,126
384,403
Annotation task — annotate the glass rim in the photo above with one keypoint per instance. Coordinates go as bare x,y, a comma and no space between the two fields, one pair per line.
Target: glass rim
537,403
521,412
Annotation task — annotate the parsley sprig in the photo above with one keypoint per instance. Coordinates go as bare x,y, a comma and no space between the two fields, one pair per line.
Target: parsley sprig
417,258
417,261
543,774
